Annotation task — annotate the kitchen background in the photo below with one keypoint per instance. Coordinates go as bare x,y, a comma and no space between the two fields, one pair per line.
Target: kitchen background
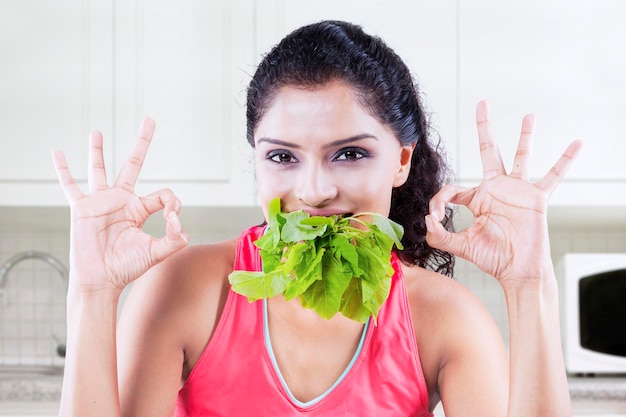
33,308
70,66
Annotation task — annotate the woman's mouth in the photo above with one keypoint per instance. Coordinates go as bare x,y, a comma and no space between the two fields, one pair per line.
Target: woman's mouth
328,213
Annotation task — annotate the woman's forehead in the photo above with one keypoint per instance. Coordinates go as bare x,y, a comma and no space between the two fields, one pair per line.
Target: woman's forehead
331,110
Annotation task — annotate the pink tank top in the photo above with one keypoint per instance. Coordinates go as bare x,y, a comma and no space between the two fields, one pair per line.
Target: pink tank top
237,375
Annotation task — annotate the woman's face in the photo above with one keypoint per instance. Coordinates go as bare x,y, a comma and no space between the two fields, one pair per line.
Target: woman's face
319,151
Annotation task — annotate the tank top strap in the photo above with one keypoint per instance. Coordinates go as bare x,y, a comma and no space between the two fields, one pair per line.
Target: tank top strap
247,253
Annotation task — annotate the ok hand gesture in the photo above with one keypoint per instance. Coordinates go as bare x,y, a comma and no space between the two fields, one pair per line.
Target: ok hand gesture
508,238
108,248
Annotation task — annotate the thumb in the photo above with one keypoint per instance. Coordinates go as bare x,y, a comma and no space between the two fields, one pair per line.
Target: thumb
174,240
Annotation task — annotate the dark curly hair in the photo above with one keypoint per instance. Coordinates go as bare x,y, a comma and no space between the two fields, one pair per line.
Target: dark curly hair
316,54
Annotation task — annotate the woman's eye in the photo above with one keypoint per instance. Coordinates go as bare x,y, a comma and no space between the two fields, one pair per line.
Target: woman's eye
351,154
281,157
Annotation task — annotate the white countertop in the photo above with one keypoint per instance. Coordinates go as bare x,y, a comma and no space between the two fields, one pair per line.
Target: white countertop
41,393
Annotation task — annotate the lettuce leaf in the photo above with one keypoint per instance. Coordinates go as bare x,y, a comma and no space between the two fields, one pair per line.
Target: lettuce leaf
328,263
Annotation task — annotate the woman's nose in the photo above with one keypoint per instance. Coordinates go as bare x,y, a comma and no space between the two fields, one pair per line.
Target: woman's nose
315,186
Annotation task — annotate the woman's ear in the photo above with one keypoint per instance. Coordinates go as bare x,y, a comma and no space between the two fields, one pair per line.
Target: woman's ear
406,154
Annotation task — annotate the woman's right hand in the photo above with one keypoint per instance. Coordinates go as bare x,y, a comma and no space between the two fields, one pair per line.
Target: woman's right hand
108,248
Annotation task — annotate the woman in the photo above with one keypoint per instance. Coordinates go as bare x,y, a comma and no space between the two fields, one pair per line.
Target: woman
337,127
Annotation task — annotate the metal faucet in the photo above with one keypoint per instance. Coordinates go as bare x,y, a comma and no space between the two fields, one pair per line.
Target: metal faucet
31,254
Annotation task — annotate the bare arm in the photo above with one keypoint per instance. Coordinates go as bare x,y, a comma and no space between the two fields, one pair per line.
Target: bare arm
538,380
509,240
90,375
167,321
107,251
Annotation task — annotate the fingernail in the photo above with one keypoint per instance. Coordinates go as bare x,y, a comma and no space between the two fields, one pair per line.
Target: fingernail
173,219
430,225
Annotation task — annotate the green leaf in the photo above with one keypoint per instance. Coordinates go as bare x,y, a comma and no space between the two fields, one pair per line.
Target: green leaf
377,282
295,255
324,296
258,285
375,293
297,228
384,242
271,239
390,228
271,260
273,214
386,226
331,265
347,251
306,274
352,302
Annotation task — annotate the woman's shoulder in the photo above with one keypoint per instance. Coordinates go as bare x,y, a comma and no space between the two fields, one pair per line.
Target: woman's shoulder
436,300
198,264
204,260
196,273
179,301
450,322
427,290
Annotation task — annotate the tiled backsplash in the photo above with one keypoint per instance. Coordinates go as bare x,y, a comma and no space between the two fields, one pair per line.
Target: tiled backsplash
33,309
32,302
563,239
32,306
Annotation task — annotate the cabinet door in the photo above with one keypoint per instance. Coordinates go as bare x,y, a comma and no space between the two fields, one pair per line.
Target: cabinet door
422,32
186,65
563,61
55,85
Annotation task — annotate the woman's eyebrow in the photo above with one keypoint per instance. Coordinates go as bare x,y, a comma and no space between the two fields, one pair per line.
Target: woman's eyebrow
278,142
332,144
351,139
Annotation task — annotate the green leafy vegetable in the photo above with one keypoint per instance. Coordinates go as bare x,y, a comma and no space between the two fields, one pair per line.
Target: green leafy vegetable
328,263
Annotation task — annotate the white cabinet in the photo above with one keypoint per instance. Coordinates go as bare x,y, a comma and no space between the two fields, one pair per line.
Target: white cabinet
55,83
187,65
78,65
72,66
563,61
423,34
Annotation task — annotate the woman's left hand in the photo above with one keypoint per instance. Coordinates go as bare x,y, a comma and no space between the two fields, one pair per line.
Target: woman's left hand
509,235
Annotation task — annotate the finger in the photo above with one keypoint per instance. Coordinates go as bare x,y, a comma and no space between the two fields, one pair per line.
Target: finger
489,153
174,240
68,184
97,173
550,181
129,172
439,238
524,148
164,200
450,193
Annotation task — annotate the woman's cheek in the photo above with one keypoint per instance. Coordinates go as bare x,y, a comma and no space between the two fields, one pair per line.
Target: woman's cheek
270,186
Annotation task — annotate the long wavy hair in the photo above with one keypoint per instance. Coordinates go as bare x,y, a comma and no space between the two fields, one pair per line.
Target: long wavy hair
316,54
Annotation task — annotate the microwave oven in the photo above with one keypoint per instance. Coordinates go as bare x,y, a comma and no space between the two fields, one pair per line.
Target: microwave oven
592,290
